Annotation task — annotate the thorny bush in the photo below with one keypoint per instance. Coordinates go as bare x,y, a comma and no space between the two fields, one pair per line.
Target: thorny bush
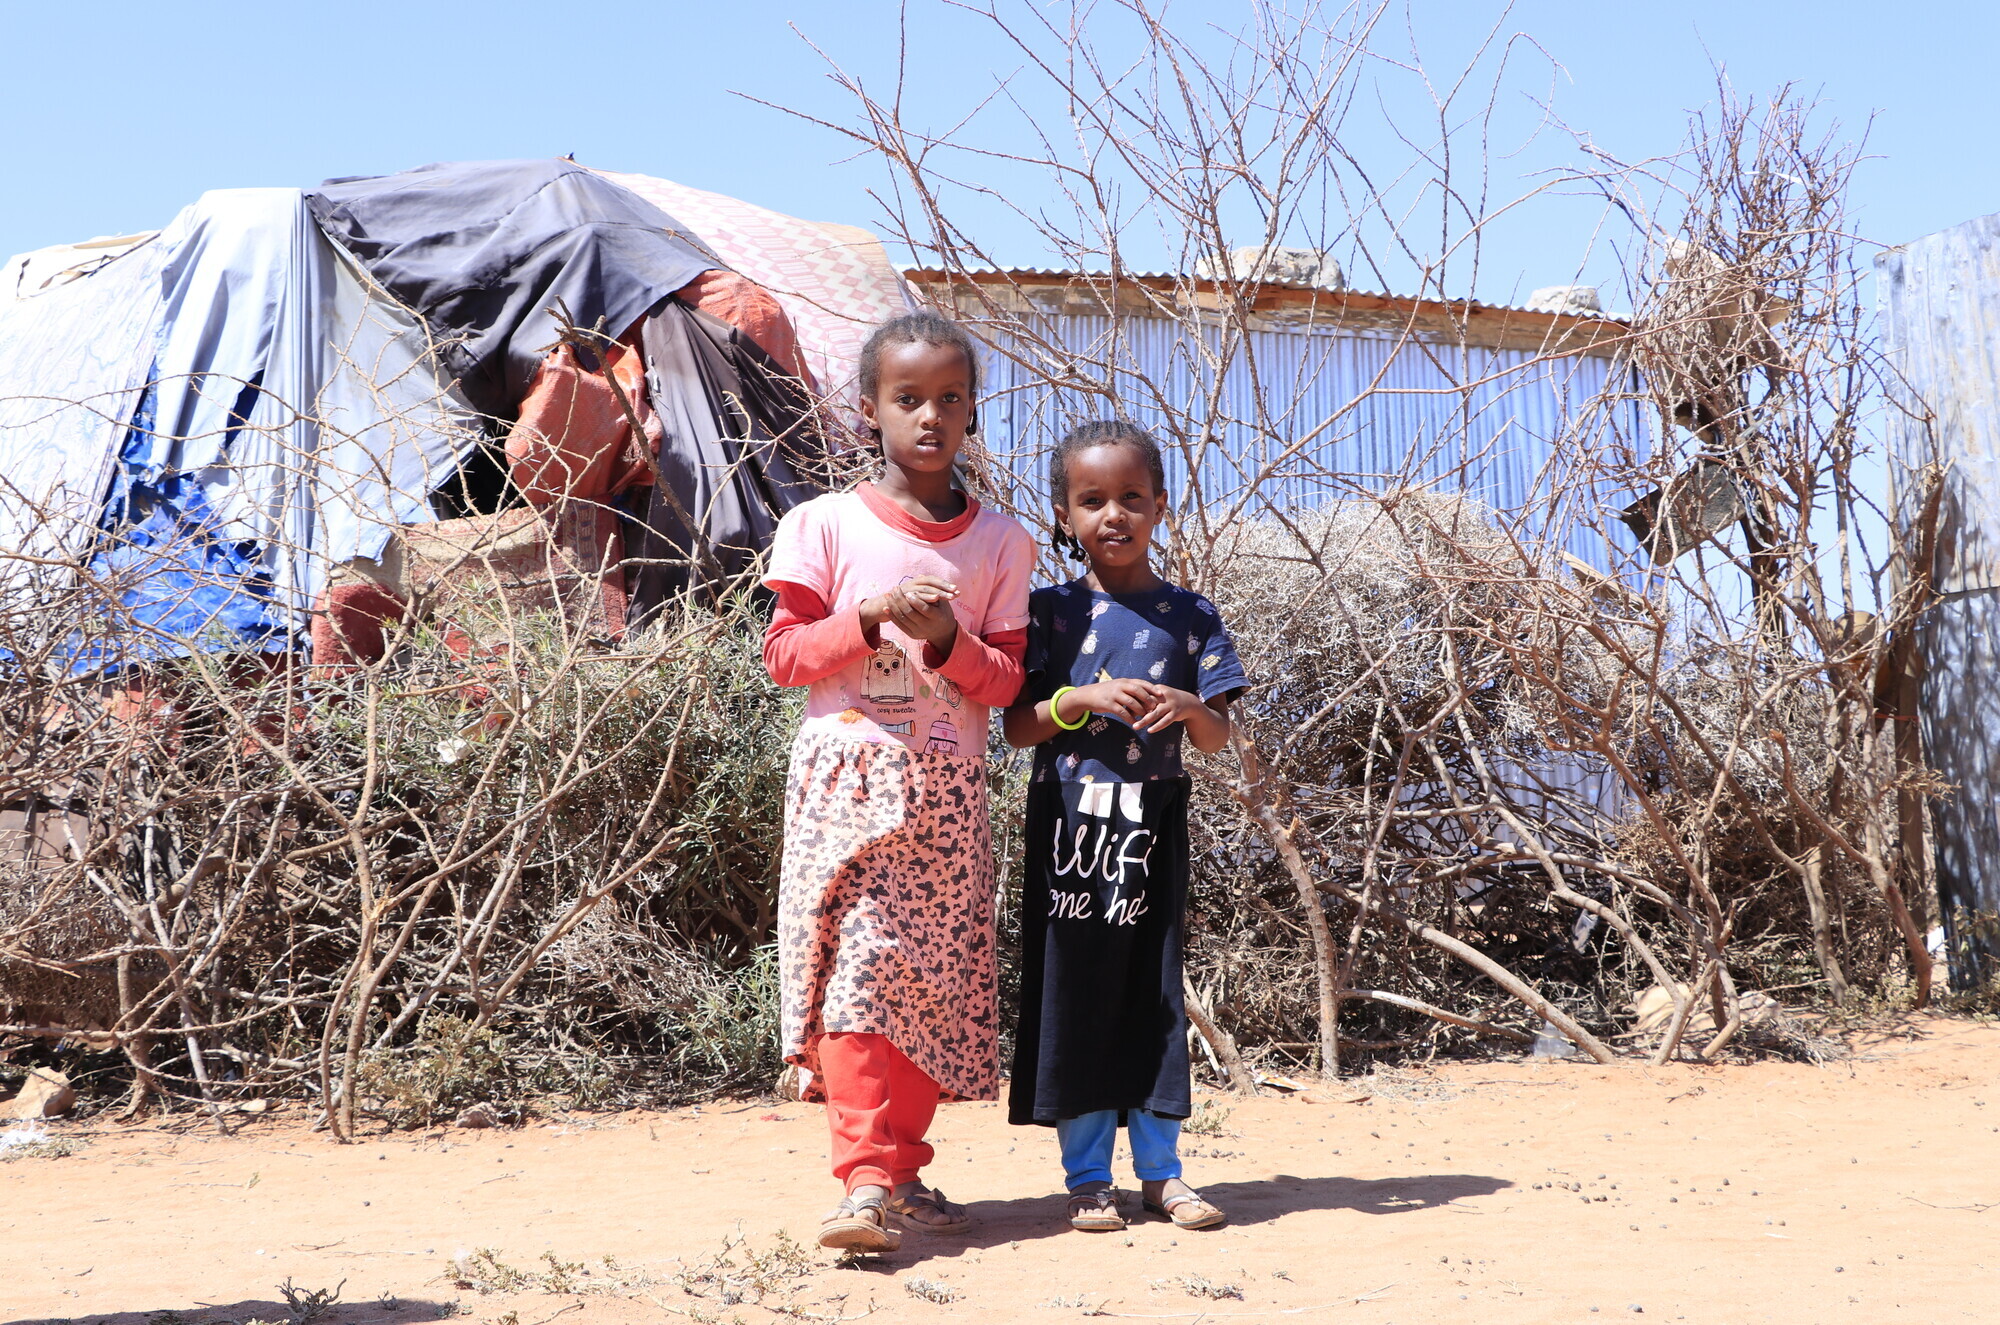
545,871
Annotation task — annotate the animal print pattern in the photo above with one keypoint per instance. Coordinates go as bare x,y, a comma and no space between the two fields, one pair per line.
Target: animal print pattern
885,908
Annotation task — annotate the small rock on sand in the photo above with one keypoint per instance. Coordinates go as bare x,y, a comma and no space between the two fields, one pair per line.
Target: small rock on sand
479,1115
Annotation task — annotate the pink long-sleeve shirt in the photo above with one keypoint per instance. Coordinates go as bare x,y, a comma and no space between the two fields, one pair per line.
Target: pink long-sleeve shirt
835,552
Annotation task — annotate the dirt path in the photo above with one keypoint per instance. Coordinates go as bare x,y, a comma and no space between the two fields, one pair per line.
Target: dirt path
1866,1190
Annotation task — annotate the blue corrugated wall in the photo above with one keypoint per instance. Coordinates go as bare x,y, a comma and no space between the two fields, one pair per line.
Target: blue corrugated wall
1940,300
1358,410
1363,411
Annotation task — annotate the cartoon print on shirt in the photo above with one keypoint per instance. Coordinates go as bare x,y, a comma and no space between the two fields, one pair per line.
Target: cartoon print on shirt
899,728
947,690
1126,639
887,678
944,737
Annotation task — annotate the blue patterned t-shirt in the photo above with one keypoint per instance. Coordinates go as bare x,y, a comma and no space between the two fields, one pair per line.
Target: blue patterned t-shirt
1077,636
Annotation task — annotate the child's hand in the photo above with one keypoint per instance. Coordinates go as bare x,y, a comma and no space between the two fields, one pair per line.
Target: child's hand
1127,700
921,609
1169,707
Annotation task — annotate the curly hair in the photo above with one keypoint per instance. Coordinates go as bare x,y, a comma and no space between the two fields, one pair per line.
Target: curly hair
1085,437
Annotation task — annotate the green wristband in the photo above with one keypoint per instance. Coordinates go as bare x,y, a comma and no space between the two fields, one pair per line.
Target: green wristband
1055,714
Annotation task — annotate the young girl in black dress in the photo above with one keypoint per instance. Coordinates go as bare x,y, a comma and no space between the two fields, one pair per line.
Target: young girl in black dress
1119,665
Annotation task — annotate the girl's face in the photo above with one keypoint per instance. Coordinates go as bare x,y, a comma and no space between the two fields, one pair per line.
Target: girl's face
1113,505
923,405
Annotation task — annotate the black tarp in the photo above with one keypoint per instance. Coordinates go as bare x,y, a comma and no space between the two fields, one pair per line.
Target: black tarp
738,431
483,248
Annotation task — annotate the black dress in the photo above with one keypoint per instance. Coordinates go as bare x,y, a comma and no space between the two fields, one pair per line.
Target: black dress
1104,892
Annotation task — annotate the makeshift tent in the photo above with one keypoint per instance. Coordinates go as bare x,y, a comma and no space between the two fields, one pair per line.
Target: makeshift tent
482,250
248,415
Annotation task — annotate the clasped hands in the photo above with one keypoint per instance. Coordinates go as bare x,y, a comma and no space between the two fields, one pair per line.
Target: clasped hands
1145,705
920,607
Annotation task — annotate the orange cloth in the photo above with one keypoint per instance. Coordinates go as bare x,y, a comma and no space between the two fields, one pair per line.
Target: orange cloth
353,624
878,1106
573,438
752,310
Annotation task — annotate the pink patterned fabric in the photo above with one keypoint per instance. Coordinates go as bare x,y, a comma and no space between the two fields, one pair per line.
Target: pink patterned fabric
885,909
835,281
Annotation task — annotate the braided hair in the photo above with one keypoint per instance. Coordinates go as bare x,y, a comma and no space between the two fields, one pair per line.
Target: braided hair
922,327
1085,437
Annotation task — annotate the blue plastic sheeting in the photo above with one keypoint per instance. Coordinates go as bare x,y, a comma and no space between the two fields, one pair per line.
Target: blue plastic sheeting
350,430
179,578
1940,300
239,302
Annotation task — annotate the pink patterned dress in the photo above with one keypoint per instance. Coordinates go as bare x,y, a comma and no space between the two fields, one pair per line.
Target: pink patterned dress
886,892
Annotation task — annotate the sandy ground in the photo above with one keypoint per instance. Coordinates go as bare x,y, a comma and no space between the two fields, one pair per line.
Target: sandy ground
1864,1190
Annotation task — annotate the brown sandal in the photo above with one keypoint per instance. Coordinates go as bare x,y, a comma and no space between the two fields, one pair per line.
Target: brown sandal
1096,1212
1203,1215
859,1224
926,1208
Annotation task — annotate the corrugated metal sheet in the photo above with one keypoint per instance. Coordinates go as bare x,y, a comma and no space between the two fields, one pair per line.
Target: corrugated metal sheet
1341,410
1940,300
1055,276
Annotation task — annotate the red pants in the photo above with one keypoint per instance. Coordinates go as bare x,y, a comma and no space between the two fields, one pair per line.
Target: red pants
879,1105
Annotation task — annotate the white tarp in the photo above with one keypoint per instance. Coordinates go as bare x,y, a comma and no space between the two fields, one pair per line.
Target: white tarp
345,435
73,360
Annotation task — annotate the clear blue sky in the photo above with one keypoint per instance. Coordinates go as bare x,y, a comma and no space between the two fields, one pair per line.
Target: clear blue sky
120,113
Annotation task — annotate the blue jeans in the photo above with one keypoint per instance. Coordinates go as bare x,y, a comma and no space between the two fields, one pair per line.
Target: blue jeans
1087,1142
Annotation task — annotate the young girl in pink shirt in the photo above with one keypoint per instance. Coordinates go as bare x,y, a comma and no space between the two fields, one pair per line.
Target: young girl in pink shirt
903,605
